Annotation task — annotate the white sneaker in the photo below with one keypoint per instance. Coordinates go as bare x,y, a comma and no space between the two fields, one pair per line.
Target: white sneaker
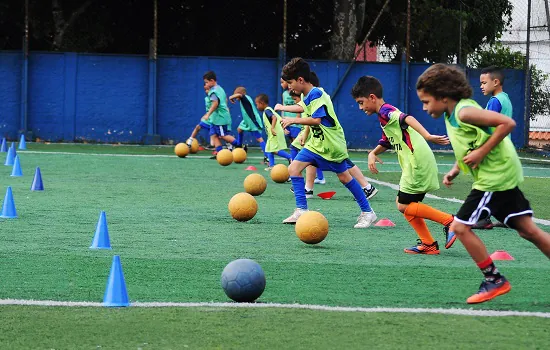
230,147
294,217
365,219
320,182
189,141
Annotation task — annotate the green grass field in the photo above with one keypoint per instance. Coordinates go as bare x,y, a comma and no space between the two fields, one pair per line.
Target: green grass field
168,221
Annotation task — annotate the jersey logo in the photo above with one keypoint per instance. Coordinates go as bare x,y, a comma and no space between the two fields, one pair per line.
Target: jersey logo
317,132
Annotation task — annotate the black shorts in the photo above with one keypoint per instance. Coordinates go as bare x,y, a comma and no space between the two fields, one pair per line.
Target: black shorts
503,205
408,198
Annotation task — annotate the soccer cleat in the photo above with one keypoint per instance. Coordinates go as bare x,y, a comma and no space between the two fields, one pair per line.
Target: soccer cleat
320,182
265,161
370,193
450,237
230,147
214,154
268,168
245,147
309,194
423,248
484,224
489,290
500,224
294,217
365,219
189,141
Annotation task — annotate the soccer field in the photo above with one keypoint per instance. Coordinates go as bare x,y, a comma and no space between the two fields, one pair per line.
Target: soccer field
168,221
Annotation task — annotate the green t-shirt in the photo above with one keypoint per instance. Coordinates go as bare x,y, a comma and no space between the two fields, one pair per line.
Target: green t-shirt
417,161
207,104
505,103
221,115
288,101
500,170
327,139
251,117
277,142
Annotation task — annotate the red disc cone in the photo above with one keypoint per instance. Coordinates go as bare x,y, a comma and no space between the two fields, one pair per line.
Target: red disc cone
251,168
501,255
385,223
326,195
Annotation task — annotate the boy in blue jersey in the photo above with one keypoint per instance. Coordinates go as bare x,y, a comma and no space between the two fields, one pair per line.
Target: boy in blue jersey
326,148
491,82
252,121
218,114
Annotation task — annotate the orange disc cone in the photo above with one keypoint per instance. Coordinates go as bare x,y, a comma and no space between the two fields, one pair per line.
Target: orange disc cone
326,195
251,168
501,255
384,223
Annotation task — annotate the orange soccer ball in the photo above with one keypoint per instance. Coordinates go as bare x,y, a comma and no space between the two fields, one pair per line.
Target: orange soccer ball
255,184
242,206
279,173
311,227
194,146
181,150
224,157
239,155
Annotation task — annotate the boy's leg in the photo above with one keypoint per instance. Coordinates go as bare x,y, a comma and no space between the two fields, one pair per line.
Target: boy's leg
310,178
367,216
295,170
285,155
194,133
370,190
271,159
528,230
239,138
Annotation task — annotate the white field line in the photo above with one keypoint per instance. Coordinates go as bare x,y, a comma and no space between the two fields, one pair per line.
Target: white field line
462,312
454,200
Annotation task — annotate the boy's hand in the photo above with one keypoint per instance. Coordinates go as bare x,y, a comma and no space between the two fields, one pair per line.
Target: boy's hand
439,139
278,107
473,158
286,131
449,177
204,117
372,163
301,140
285,122
273,132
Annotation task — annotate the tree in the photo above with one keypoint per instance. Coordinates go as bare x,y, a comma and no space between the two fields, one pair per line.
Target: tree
348,18
502,56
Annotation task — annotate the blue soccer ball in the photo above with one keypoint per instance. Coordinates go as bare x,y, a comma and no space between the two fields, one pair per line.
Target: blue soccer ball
243,280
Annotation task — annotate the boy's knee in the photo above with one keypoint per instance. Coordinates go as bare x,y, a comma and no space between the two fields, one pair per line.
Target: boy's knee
459,228
293,169
344,177
529,233
401,207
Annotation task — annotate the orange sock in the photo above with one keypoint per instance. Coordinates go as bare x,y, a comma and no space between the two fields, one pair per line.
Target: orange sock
419,225
421,210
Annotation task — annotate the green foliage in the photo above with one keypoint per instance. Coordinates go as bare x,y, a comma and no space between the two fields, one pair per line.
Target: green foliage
502,56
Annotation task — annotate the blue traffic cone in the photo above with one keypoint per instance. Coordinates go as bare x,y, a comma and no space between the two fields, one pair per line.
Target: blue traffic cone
8,209
10,157
22,143
101,237
14,150
3,147
115,293
16,171
37,184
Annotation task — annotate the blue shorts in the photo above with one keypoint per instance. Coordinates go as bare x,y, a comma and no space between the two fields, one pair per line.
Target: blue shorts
294,131
349,163
319,162
204,125
219,130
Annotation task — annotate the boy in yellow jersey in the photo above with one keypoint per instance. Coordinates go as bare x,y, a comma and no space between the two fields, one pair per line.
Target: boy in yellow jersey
404,134
276,141
481,148
326,148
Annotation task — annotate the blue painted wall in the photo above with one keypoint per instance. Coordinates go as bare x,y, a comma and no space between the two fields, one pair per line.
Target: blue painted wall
104,98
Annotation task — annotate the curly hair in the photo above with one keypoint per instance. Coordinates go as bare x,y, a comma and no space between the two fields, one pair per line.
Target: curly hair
442,81
296,68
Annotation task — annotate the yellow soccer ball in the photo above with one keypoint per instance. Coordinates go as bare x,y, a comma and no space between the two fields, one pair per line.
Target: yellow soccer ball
181,150
279,173
255,184
311,227
194,146
239,155
242,206
224,157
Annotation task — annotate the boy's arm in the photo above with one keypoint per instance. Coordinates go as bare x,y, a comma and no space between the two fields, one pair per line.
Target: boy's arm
235,96
449,177
292,108
480,117
415,124
373,158
494,105
273,124
213,107
304,135
304,121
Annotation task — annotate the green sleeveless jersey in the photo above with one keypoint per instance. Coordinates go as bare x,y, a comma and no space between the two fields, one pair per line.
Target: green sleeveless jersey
506,104
207,104
327,140
250,122
277,142
296,143
221,115
288,101
500,170
417,161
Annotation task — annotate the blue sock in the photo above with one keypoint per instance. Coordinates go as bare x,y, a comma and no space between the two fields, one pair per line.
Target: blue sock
262,145
299,184
359,195
219,148
239,138
284,155
235,143
271,158
293,152
320,175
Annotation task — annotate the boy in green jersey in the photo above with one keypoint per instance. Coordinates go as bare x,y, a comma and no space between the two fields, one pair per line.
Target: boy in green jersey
293,130
276,141
482,149
326,148
404,134
491,82
218,114
203,124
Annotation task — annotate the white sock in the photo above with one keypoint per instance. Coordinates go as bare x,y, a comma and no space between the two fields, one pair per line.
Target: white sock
368,187
308,189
